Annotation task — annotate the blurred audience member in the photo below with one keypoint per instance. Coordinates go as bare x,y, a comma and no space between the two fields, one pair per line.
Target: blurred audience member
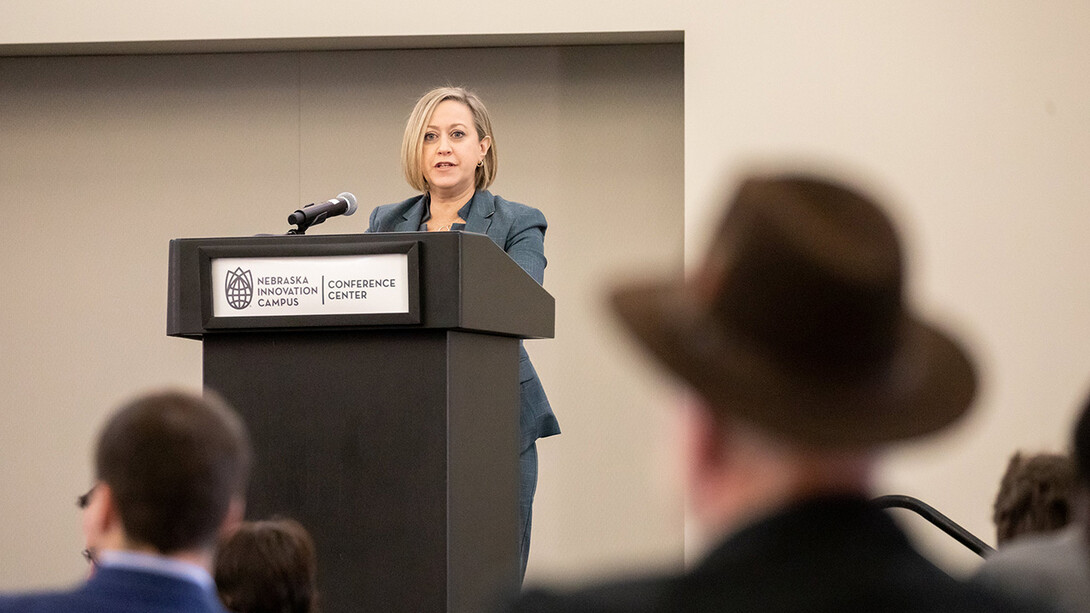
268,567
171,469
89,553
1054,567
1036,495
805,361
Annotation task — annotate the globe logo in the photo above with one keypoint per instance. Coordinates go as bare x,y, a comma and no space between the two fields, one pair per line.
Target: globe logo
240,288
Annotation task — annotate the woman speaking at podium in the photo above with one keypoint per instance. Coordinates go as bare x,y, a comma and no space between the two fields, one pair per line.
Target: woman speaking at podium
449,154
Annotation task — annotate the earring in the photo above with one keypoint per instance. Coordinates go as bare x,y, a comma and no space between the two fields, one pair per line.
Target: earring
480,163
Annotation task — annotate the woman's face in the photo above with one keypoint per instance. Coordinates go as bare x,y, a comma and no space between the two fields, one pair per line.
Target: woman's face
452,149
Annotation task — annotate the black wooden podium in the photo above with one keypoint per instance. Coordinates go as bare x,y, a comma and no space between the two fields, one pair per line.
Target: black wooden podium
391,435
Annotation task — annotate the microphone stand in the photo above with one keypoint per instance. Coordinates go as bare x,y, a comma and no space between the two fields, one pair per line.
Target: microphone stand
301,227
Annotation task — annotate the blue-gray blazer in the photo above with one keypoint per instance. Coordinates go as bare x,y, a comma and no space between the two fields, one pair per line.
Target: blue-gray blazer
520,231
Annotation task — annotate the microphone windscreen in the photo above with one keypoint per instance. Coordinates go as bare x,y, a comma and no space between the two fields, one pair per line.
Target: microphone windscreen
351,199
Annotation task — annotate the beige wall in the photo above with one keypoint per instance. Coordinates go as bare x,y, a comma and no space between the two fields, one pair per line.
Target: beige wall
119,154
972,115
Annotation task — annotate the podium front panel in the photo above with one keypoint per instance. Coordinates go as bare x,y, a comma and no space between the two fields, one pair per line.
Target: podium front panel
398,451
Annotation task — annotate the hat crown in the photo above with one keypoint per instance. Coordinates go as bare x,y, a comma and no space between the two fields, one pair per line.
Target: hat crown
810,272
796,323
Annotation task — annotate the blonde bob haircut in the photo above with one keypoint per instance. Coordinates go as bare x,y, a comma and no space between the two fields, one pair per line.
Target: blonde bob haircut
412,145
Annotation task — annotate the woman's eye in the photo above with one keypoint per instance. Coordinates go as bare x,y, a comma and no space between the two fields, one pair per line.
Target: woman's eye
457,134
430,136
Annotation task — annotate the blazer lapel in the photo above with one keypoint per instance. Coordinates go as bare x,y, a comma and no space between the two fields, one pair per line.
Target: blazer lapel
410,221
480,212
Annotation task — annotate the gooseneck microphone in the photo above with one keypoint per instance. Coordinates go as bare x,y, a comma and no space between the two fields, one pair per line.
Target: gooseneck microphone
315,213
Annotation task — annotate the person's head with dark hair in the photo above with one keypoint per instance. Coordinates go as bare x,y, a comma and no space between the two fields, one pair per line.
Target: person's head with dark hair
1081,455
1081,444
171,471
1036,494
1043,499
268,567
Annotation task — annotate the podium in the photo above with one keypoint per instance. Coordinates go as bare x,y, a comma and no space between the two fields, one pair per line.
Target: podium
378,376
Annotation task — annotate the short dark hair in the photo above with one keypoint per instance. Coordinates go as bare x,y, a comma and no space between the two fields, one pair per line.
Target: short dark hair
1036,494
174,461
268,567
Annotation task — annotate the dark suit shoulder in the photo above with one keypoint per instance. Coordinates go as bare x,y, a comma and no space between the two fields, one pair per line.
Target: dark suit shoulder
681,596
828,554
631,596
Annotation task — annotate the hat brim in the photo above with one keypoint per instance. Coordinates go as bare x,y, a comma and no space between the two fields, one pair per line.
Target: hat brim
926,384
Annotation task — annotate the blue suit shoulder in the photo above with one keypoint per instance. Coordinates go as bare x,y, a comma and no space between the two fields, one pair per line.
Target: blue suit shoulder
514,208
525,213
118,590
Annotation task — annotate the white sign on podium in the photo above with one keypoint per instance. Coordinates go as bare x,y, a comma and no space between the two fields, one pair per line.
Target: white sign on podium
310,285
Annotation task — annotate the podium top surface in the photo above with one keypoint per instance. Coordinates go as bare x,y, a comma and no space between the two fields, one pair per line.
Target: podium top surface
447,280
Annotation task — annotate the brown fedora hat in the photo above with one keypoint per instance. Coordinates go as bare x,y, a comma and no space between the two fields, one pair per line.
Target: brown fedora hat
795,322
